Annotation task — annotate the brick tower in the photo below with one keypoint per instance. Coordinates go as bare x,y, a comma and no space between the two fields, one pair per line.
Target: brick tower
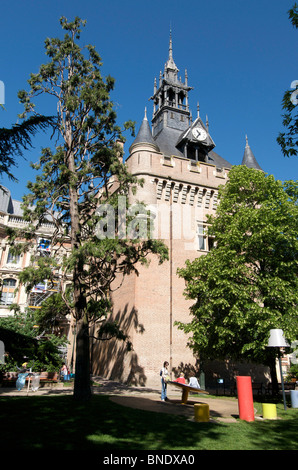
181,174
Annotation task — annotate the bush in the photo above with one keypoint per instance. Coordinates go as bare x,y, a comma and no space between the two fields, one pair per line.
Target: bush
19,334
293,372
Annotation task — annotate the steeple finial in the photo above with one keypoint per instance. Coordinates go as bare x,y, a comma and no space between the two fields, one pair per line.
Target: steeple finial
170,65
170,46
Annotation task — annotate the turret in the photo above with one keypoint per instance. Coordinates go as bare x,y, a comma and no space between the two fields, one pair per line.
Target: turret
249,159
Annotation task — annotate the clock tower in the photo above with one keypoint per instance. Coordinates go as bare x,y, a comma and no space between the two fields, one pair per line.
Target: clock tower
170,99
172,126
181,174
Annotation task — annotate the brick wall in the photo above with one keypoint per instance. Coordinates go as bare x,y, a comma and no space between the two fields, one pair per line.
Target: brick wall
148,305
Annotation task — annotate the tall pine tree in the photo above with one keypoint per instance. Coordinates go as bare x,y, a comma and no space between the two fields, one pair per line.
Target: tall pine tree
83,171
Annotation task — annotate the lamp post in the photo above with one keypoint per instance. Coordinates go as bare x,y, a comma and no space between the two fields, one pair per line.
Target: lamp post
277,340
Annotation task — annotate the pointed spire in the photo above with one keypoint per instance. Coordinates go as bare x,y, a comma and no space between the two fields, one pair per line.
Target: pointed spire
171,46
170,65
249,159
144,135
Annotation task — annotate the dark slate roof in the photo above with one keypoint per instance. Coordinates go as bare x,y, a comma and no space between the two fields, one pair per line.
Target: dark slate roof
6,202
166,142
249,159
11,206
145,135
215,159
168,138
16,208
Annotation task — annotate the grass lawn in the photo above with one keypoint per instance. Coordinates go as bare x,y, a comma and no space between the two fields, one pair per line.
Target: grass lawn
58,422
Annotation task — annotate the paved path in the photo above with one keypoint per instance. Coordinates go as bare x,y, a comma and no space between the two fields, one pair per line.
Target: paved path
145,398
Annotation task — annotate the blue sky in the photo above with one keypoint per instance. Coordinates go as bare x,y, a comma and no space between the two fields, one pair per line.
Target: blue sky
240,57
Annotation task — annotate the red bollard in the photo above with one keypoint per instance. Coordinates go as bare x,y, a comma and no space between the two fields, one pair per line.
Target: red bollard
245,398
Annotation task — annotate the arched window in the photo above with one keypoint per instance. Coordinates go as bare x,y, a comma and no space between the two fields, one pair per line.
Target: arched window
181,100
7,294
171,97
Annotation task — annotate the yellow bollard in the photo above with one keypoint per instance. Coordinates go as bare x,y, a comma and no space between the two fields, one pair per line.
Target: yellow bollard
269,411
201,412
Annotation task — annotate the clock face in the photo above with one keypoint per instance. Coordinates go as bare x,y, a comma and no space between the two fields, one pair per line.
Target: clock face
199,133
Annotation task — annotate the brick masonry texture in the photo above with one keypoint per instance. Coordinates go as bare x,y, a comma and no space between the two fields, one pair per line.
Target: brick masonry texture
148,305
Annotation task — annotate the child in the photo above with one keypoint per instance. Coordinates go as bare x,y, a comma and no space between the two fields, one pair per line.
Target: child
193,382
181,379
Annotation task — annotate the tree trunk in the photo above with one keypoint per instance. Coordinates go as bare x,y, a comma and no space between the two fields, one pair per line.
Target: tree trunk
82,388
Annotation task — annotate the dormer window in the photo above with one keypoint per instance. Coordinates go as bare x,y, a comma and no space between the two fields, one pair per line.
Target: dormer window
194,152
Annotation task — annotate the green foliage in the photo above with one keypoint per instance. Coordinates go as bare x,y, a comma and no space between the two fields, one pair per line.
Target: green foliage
288,140
247,284
83,171
76,177
42,268
25,341
51,312
292,373
17,139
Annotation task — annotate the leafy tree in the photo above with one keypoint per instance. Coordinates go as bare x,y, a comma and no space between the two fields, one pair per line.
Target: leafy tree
24,338
51,312
84,172
288,140
13,141
247,284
